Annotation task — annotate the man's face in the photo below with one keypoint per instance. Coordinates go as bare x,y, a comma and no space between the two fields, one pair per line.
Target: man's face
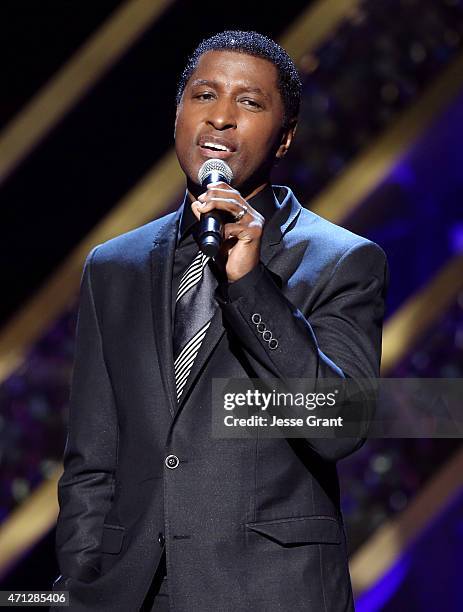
231,109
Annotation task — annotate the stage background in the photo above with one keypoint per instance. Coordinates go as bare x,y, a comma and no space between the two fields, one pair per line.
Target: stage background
86,135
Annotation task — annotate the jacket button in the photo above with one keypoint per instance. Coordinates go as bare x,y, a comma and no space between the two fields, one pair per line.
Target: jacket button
172,461
256,318
161,539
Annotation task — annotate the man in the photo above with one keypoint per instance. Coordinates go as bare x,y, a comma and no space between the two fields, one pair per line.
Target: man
235,524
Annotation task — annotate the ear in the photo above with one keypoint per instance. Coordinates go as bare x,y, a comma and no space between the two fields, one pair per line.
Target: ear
286,139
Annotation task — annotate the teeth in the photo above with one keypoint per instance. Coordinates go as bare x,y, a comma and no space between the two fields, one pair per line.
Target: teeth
214,145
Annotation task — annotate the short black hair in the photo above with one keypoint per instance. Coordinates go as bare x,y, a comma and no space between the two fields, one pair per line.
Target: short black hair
258,45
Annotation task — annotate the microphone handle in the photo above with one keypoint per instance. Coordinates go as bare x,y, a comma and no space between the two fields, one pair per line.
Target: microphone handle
211,223
210,233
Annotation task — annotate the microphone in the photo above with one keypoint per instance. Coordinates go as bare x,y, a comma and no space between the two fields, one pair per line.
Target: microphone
210,233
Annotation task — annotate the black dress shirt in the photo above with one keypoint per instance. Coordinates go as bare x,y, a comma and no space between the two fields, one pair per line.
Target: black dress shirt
265,202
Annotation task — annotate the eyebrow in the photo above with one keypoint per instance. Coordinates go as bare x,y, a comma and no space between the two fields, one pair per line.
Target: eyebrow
216,85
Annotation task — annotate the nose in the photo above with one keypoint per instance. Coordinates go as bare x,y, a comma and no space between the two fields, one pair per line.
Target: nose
221,114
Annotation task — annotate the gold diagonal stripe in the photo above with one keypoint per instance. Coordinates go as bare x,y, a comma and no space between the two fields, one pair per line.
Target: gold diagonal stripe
141,205
148,199
390,540
30,521
402,331
74,79
367,171
418,313
314,26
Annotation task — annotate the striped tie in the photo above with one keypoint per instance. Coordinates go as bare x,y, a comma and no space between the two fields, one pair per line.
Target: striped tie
194,308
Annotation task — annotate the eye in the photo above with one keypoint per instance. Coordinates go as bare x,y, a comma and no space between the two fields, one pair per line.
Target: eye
250,102
207,95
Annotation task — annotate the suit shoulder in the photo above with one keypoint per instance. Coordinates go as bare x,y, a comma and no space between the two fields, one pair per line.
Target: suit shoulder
331,238
131,246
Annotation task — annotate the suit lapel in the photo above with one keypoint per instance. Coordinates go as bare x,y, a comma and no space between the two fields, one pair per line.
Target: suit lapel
273,245
162,261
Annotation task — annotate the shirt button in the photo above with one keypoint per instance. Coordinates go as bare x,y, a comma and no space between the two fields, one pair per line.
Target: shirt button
172,461
161,539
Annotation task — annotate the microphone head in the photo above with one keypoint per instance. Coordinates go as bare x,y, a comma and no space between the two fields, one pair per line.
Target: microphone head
215,166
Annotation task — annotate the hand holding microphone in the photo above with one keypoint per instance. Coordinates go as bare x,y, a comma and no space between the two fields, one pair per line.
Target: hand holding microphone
214,208
211,223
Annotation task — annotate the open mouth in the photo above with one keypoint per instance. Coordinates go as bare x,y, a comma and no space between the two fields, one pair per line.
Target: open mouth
215,150
213,146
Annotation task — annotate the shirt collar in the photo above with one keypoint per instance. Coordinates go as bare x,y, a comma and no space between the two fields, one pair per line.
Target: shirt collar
264,202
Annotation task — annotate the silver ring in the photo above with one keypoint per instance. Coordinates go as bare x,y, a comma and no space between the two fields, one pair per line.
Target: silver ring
241,214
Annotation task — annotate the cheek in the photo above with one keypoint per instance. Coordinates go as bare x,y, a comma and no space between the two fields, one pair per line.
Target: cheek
184,124
262,144
262,134
183,139
180,130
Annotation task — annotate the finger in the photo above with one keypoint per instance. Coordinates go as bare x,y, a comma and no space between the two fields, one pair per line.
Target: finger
228,204
234,231
196,210
224,204
219,193
221,185
218,188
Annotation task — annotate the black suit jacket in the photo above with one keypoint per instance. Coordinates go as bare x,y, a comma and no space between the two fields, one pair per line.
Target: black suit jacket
248,524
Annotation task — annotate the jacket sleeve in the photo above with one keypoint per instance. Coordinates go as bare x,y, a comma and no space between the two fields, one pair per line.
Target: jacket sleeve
85,488
339,338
